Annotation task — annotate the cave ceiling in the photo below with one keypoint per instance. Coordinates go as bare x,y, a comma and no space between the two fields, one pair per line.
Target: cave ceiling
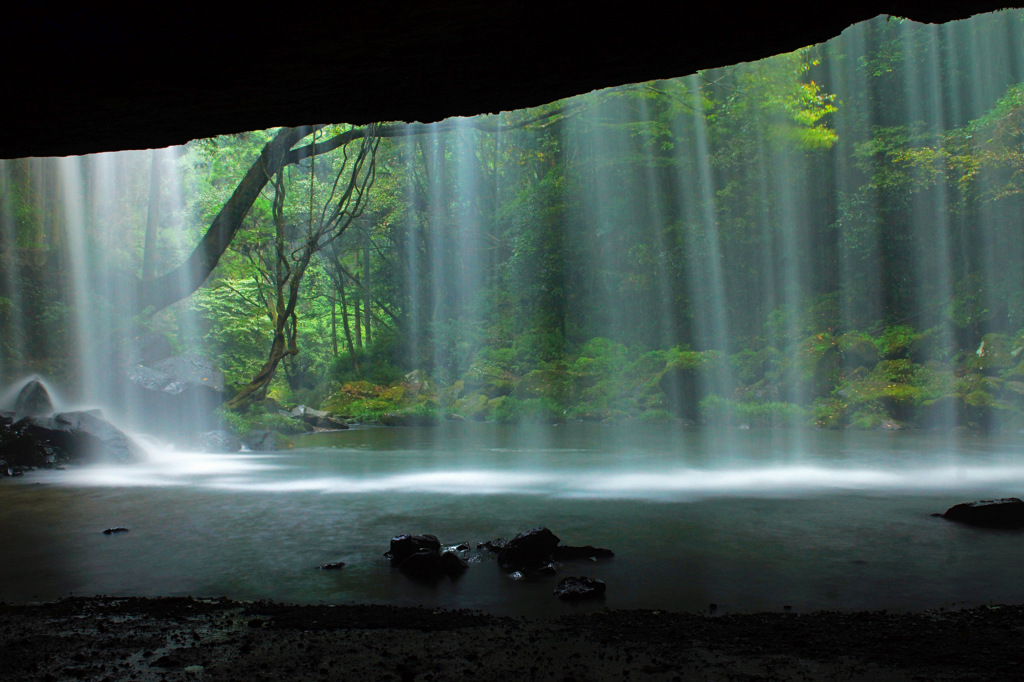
91,78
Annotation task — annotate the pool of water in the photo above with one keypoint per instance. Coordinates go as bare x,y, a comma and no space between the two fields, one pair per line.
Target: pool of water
747,520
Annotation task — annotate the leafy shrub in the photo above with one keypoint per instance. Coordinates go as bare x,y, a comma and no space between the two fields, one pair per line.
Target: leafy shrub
897,341
512,411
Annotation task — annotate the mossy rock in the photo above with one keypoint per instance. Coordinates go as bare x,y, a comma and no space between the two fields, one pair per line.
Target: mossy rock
857,349
993,355
395,394
360,389
409,419
473,406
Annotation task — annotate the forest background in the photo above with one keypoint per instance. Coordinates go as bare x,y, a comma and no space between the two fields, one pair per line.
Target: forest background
825,238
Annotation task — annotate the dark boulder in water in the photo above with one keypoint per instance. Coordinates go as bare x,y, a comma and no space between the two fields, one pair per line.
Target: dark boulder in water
20,448
1007,512
33,401
528,551
453,565
576,589
115,530
494,546
404,546
423,565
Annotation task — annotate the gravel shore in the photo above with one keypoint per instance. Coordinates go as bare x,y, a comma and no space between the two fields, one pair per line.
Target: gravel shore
109,638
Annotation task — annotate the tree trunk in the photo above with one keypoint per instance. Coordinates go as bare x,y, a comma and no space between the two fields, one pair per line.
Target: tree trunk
358,320
366,286
334,327
348,330
175,285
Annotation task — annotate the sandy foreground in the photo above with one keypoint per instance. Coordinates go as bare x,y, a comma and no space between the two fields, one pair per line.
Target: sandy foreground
108,638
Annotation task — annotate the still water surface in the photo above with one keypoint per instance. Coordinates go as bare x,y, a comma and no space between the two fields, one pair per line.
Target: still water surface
748,520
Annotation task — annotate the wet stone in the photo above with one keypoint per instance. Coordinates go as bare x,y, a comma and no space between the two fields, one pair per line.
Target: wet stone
579,588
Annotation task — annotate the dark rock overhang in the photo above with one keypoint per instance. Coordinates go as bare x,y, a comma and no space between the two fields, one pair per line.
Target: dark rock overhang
96,78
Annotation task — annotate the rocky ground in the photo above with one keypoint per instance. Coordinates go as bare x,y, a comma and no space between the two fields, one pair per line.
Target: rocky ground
107,638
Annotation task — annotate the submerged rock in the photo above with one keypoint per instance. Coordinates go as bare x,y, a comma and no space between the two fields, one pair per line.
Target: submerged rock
115,529
332,566
576,589
568,553
33,401
1007,512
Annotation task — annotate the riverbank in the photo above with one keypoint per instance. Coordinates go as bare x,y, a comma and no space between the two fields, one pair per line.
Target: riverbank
111,638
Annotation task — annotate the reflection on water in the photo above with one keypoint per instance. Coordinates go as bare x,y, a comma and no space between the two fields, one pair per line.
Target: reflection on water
842,522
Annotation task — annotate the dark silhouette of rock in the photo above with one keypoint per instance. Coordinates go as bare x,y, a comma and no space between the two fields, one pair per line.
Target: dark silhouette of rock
576,589
219,441
19,447
115,529
33,401
528,551
494,546
404,546
1007,512
423,565
453,565
568,553
84,436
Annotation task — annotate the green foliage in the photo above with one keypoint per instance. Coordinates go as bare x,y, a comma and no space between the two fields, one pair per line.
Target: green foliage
540,410
256,418
897,341
723,411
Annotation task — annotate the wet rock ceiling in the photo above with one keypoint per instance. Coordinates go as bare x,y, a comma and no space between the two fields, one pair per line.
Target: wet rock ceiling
96,78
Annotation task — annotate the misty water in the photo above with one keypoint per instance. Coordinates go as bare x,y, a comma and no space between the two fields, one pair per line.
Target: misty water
844,524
